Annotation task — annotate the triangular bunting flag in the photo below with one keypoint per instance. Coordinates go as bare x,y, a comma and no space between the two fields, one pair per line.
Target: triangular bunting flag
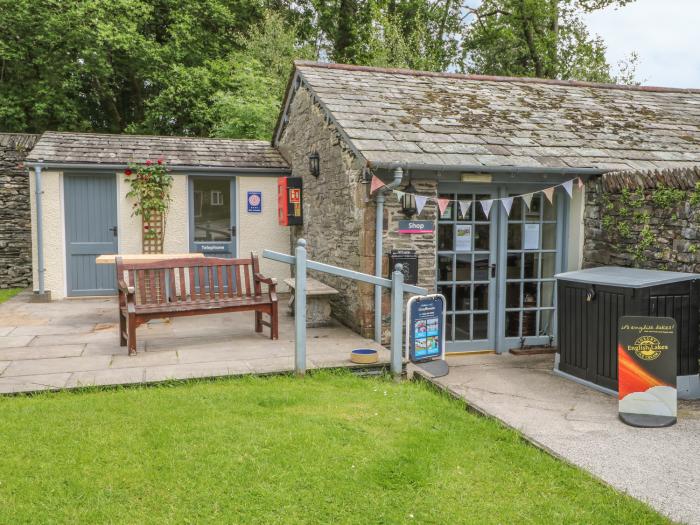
486,206
549,192
569,187
420,203
399,195
376,184
527,199
580,183
464,207
507,204
442,204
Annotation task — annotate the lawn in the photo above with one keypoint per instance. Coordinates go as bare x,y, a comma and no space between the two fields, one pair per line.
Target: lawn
330,448
8,293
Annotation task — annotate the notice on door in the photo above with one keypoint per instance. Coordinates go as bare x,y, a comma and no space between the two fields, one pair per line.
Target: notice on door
647,361
464,238
531,237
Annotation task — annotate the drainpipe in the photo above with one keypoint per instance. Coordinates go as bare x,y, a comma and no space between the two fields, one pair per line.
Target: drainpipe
378,241
39,228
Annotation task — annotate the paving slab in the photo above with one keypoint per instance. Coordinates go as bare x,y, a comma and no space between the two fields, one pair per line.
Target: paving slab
13,341
581,425
168,357
33,383
26,367
197,370
52,329
118,376
41,352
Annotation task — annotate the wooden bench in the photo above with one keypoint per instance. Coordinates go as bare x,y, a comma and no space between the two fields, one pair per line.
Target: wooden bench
184,287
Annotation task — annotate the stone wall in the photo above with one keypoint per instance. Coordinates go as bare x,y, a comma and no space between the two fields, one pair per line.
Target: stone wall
646,219
15,217
338,216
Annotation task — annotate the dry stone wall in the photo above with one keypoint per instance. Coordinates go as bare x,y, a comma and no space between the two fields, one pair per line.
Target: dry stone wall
644,219
15,218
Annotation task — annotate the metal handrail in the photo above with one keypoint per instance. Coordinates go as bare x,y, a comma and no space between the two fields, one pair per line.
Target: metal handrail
395,284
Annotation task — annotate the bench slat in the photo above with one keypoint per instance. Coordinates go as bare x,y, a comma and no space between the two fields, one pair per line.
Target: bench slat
247,280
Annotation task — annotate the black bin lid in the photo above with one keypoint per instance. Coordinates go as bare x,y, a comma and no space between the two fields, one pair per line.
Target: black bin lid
626,277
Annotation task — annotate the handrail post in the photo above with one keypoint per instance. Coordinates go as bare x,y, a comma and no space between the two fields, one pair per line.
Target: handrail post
396,320
300,308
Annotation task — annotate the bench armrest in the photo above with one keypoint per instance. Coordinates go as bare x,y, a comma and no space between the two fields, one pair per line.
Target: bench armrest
125,289
270,281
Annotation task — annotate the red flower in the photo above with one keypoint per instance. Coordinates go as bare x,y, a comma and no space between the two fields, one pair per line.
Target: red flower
146,227
127,172
148,163
160,161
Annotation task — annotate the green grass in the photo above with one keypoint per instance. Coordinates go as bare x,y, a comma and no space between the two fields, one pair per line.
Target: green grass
330,448
8,293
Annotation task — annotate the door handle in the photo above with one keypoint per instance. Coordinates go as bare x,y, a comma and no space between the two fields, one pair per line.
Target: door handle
493,271
114,230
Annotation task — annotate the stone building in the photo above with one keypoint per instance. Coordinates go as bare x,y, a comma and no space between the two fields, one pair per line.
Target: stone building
470,139
15,220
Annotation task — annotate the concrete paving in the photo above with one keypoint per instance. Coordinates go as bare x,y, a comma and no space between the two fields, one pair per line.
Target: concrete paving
658,466
74,343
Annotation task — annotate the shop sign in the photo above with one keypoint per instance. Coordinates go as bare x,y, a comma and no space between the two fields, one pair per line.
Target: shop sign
410,226
647,366
425,324
254,202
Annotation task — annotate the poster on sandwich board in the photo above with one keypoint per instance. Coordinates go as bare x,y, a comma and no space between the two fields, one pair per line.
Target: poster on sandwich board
425,327
647,371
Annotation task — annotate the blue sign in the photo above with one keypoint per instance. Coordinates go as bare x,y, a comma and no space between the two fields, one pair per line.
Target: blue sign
426,327
254,202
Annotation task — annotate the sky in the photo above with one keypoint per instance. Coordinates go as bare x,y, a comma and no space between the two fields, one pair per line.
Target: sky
663,32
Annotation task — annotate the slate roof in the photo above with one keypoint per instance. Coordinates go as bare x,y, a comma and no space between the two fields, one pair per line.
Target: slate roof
96,148
416,118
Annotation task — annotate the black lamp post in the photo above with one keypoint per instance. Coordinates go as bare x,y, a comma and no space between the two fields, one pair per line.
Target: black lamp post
314,164
408,201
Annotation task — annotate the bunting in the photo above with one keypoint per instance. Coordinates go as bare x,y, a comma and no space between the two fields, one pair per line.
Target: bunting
486,206
580,183
464,207
442,205
420,203
376,184
527,199
549,193
569,187
399,195
507,204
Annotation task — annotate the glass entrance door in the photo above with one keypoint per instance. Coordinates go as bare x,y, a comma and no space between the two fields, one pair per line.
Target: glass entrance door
466,267
497,272
212,216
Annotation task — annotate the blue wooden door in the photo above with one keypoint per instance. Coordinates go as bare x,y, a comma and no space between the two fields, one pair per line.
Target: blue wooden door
91,230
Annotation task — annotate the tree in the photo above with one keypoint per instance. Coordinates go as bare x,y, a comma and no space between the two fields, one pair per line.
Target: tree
536,38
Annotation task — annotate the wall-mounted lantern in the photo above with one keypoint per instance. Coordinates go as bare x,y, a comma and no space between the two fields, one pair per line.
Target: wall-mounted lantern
408,201
315,164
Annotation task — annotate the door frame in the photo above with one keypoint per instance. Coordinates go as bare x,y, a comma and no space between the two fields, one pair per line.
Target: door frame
497,341
66,255
233,189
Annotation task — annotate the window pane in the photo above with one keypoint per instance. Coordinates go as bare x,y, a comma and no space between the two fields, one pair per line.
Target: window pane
444,267
481,237
464,267
481,297
462,327
550,210
530,265
445,240
212,210
481,267
512,324
533,214
548,261
481,326
447,292
463,297
514,266
448,328
516,212
529,323
529,295
549,236
547,293
515,237
546,319
513,295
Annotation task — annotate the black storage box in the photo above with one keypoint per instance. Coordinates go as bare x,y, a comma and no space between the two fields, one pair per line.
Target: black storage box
591,302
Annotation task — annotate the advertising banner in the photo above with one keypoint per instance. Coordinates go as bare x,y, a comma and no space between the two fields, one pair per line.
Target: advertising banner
647,361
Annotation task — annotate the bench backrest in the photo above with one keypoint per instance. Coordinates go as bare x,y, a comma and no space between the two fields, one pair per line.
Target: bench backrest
182,281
